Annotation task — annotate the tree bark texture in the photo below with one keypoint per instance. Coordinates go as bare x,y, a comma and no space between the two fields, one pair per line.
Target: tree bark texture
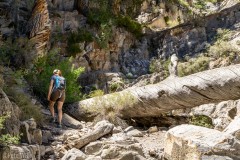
211,86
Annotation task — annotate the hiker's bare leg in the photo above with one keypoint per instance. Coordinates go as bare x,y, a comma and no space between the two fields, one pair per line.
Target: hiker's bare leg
59,106
51,107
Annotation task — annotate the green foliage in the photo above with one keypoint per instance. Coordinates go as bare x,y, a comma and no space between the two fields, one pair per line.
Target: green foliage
166,19
6,139
73,49
16,53
81,35
104,35
39,76
222,35
30,4
28,110
116,86
159,65
99,16
75,38
201,120
109,108
194,65
131,25
3,119
103,18
96,93
200,4
222,47
183,3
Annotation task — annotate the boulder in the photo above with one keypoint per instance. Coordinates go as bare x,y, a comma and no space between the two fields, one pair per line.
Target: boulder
33,152
117,151
187,142
46,136
233,127
153,129
30,133
135,133
74,154
94,147
222,114
100,129
71,122
12,123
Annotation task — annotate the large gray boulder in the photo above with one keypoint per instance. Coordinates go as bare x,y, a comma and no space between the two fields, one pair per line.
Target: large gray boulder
74,154
234,127
100,129
30,133
33,152
12,123
189,142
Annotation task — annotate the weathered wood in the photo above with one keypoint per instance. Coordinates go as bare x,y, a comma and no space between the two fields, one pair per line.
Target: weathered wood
210,86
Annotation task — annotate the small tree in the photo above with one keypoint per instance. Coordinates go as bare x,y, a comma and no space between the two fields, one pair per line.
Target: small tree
39,76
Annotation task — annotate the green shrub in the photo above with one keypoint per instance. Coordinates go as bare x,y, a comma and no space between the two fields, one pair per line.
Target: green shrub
81,35
105,35
73,49
131,25
16,53
39,76
201,120
116,86
159,65
99,16
195,65
28,110
222,49
75,38
96,93
6,139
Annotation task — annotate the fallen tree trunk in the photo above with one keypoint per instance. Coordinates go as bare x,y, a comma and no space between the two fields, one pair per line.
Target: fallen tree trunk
210,86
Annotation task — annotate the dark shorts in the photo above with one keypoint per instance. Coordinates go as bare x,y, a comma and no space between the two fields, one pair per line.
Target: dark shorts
57,95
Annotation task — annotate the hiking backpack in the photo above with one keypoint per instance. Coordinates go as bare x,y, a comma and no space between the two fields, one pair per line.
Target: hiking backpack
60,83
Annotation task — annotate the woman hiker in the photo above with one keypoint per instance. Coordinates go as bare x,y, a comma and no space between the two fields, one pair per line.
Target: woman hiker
56,93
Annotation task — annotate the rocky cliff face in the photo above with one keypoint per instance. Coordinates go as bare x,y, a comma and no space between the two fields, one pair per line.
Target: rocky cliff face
39,26
192,37
51,22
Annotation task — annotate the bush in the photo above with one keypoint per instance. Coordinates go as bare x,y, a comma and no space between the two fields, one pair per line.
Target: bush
6,139
96,93
222,49
28,110
195,65
39,76
75,38
201,120
116,86
16,53
159,66
131,25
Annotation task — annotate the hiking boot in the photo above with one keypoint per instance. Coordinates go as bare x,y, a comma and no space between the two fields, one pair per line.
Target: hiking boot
59,126
53,120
